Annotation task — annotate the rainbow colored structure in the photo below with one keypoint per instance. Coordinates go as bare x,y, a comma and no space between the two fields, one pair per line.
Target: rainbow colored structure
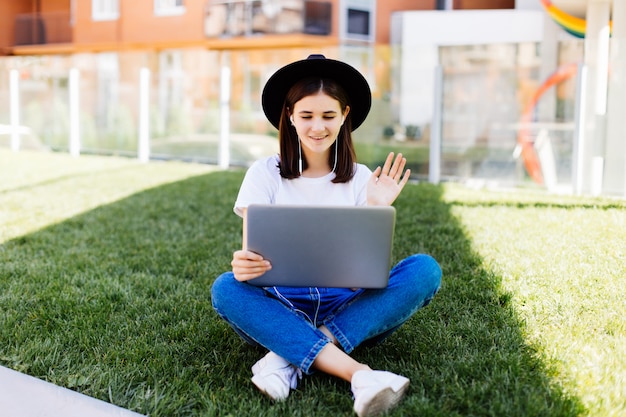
571,24
524,137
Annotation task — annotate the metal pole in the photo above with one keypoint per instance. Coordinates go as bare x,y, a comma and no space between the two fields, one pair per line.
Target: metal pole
14,99
143,147
595,105
74,90
579,130
224,143
434,163
615,151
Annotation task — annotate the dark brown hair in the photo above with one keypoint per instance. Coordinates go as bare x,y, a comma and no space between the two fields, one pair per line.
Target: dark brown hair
288,138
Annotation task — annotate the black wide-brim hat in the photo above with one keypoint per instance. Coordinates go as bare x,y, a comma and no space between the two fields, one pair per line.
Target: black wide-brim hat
351,80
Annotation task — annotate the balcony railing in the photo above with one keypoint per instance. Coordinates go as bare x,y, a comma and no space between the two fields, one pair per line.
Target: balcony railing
42,28
225,18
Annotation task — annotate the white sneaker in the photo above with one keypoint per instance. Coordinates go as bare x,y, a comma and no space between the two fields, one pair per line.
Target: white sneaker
377,391
274,376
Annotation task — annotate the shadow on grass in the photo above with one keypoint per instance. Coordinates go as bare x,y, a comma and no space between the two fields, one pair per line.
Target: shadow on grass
115,303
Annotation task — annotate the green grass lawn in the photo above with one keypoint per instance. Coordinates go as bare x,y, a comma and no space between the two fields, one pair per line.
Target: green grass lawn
106,266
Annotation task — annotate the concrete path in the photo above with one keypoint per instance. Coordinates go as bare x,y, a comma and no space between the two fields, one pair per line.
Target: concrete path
24,396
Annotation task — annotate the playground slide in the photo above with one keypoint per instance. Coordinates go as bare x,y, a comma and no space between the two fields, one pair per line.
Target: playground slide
524,138
576,26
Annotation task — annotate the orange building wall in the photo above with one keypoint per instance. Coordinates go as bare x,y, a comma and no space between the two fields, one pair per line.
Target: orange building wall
384,9
334,27
138,24
87,31
187,26
55,6
8,11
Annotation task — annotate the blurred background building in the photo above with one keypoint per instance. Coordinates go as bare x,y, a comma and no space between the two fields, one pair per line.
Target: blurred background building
488,92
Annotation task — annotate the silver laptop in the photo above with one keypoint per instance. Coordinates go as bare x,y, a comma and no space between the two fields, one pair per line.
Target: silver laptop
322,246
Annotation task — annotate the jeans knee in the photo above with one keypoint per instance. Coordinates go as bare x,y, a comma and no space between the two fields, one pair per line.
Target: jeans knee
423,276
221,288
431,272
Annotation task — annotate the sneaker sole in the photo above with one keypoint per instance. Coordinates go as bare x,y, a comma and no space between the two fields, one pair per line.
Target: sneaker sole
384,400
258,382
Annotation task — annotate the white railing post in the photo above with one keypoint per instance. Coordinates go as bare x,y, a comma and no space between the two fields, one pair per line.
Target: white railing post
224,143
434,159
143,146
578,148
14,94
596,58
74,90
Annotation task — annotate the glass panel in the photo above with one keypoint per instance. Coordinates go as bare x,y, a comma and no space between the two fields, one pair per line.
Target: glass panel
490,101
480,109
5,68
5,109
490,104
185,117
43,101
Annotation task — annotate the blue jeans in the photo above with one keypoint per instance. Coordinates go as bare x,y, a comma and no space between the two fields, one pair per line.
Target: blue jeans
286,320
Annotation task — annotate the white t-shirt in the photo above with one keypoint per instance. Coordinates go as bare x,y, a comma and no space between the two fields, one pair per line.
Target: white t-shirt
264,185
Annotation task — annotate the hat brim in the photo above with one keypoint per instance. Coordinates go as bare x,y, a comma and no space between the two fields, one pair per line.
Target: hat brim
351,80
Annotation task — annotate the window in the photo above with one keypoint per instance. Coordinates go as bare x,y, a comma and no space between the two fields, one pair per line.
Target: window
358,22
317,17
169,7
105,9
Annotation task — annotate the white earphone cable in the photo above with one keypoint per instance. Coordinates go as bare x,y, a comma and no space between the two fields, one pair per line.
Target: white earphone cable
300,155
336,146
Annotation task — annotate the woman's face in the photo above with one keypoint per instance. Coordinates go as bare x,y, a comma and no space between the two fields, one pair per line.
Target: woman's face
317,119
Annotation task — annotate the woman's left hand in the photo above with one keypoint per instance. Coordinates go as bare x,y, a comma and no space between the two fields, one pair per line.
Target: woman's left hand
386,183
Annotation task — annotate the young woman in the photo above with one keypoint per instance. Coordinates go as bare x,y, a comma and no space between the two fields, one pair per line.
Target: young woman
316,103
